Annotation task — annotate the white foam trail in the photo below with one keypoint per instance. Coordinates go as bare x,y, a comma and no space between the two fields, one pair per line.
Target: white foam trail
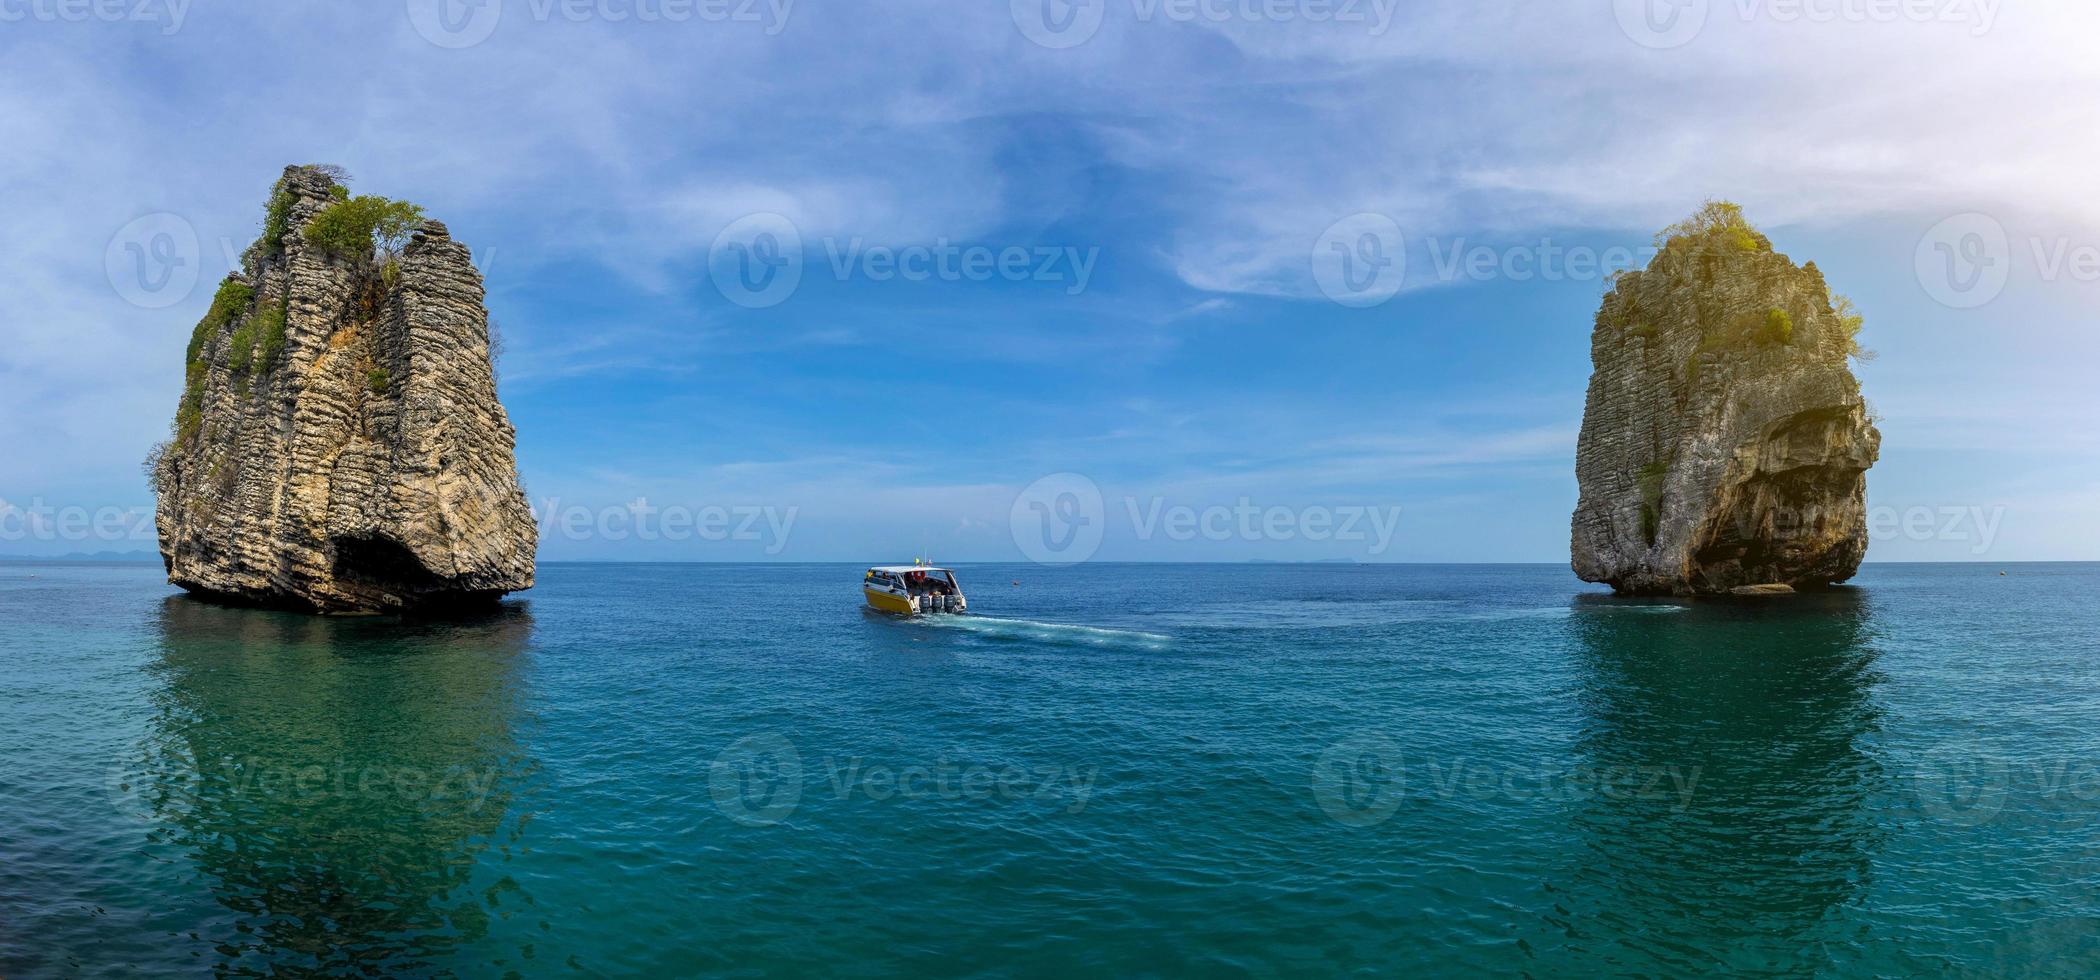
1641,609
1049,632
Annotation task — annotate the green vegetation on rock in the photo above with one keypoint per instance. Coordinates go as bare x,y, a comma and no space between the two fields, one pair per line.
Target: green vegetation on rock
269,328
277,214
379,380
258,341
227,305
1851,321
1774,328
240,352
191,415
1715,223
354,227
277,219
1778,329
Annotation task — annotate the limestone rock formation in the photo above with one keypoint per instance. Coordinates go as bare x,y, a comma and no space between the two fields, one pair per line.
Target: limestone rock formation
1725,442
340,447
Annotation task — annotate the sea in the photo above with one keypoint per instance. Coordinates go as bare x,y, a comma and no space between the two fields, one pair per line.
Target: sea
1104,770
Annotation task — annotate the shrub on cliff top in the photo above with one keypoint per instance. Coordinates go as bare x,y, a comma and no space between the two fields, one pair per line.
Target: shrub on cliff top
354,227
1715,221
277,215
277,219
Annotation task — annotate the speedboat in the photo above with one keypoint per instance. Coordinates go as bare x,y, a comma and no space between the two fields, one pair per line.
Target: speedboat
913,590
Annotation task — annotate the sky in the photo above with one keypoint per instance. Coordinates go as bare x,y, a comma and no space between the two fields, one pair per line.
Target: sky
1169,280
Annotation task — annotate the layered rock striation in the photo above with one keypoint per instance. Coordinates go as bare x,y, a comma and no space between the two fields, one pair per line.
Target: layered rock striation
1725,442
340,447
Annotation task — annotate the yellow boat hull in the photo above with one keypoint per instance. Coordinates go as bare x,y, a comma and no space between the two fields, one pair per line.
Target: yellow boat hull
888,602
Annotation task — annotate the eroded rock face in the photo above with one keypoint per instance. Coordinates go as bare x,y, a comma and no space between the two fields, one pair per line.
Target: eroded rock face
1725,442
359,460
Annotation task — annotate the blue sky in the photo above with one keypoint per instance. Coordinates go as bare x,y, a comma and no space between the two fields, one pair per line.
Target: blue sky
1174,174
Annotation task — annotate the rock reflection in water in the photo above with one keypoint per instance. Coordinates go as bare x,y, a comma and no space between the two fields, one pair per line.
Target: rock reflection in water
335,782
1750,776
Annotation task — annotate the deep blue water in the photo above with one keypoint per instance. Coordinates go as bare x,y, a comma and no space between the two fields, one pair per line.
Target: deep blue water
1122,769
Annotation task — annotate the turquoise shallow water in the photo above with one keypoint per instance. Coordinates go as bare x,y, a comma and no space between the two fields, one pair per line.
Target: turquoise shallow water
1136,770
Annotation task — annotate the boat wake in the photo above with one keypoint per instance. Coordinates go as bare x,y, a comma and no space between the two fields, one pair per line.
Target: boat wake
1332,614
1032,631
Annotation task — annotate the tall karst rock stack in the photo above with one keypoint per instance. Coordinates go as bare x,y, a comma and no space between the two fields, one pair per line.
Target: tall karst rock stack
339,447
1725,443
